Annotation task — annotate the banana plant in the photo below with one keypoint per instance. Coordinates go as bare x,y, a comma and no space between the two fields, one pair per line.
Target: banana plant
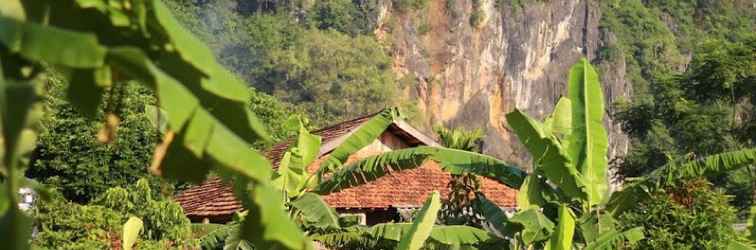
569,183
563,195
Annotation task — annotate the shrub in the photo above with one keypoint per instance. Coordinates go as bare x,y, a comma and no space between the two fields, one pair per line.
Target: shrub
690,215
66,225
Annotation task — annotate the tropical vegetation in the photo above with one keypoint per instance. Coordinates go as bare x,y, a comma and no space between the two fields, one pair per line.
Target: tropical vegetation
127,95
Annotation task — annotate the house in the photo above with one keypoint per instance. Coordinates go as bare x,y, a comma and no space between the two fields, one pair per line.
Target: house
381,200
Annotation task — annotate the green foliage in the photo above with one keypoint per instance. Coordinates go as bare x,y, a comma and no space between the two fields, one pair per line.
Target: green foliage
457,208
273,113
422,225
562,237
751,225
330,75
460,139
68,152
706,110
66,225
344,16
451,160
163,219
209,122
686,216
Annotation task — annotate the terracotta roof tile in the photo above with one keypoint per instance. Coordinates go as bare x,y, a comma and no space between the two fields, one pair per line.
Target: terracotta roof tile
407,188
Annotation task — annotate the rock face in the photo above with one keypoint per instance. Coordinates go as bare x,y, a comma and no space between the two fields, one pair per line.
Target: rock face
470,73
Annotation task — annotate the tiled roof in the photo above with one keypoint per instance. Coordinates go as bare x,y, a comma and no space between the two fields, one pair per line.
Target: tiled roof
410,188
407,188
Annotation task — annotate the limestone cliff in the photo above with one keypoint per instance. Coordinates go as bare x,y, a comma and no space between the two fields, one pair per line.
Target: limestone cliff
470,72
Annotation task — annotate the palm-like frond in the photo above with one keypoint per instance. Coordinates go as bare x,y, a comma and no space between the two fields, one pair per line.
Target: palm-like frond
710,165
360,138
371,168
451,160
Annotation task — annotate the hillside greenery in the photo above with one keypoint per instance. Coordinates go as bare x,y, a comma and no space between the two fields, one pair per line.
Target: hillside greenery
705,110
691,65
321,59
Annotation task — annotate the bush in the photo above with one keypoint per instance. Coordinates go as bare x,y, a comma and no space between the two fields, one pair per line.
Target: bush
68,154
690,215
62,224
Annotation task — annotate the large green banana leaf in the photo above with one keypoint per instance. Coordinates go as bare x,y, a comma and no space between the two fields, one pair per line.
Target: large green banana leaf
548,154
535,226
530,193
459,162
16,100
494,216
561,239
291,173
587,143
265,224
636,191
315,212
371,168
363,136
451,160
559,123
422,225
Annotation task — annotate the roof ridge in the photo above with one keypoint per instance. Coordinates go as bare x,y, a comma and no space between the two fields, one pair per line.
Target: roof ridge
334,125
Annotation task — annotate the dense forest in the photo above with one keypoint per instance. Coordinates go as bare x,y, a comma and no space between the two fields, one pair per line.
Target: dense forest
673,92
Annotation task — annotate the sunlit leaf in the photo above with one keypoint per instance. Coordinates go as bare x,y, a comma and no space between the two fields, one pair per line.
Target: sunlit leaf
316,212
131,232
363,136
422,224
561,239
588,141
547,153
266,225
536,227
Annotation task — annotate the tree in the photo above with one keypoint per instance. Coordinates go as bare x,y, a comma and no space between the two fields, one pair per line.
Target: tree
706,110
458,209
68,152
